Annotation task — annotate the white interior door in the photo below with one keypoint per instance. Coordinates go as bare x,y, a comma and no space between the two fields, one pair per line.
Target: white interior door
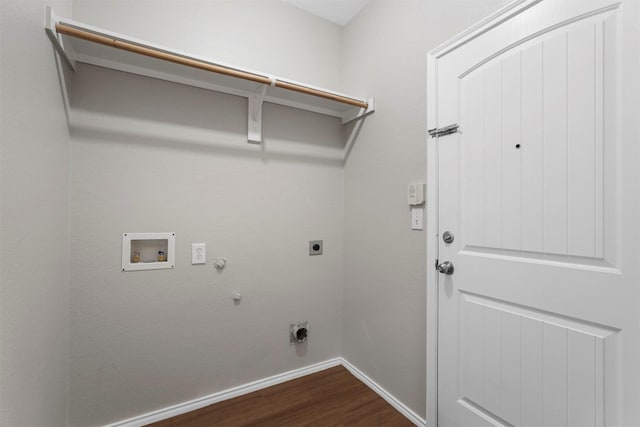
539,323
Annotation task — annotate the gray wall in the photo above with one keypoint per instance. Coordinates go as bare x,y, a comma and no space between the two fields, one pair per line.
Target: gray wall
34,242
148,156
384,53
264,35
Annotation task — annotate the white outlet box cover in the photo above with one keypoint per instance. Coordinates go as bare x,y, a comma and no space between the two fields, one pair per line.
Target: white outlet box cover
198,253
148,244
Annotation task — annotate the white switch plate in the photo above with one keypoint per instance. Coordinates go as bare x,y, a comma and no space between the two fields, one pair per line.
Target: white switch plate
416,218
198,253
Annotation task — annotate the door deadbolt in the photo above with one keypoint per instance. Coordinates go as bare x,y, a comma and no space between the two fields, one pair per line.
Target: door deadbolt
447,236
445,267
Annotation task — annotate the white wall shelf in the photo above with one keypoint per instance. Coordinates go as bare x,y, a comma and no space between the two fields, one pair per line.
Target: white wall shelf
78,42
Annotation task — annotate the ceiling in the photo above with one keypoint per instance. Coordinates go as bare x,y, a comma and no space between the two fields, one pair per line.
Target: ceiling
337,11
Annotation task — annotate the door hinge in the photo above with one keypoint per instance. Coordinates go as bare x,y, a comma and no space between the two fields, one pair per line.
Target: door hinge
437,132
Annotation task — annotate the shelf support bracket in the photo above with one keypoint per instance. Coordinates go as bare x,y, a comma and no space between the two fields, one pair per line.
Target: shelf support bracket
254,125
50,20
359,113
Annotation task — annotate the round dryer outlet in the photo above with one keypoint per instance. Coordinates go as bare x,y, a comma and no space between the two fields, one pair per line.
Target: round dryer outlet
298,332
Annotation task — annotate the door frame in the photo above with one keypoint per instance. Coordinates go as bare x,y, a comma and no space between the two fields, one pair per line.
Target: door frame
432,277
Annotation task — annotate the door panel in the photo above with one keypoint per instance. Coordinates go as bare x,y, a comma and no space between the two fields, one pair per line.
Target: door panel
515,356
532,148
538,324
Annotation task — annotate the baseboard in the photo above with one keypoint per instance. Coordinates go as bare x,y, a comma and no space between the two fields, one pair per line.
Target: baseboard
192,405
399,406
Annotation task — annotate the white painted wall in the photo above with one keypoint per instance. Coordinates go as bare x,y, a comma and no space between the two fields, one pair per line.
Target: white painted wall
384,53
148,156
34,242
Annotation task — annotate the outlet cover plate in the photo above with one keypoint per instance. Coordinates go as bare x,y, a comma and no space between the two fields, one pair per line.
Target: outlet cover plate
315,247
198,253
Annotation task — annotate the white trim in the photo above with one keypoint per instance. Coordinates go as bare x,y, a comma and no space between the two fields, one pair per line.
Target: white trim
192,405
393,401
510,9
432,249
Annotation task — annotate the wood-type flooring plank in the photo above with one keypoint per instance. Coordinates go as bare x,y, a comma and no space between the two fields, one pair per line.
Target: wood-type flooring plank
332,397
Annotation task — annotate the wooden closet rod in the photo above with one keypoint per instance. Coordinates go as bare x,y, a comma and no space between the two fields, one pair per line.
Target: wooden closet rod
130,47
158,54
315,92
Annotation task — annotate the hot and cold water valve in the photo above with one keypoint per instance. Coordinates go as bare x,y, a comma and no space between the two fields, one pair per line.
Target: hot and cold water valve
298,332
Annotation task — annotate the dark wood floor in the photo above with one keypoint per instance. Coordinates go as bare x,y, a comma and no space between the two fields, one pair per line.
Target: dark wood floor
332,397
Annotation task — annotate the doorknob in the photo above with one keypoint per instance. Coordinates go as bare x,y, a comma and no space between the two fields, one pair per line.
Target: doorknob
445,267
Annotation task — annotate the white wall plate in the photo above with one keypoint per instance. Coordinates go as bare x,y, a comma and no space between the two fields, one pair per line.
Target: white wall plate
141,251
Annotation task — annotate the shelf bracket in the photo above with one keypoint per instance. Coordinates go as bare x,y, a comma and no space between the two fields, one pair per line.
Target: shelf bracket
254,125
50,20
359,113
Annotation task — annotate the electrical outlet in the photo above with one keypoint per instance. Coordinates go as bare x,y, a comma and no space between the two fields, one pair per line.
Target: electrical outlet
198,253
